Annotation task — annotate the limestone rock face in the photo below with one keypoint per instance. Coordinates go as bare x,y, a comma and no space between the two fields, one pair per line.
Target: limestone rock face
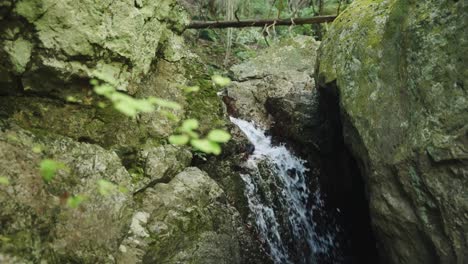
398,68
160,164
50,50
184,221
284,68
36,224
45,44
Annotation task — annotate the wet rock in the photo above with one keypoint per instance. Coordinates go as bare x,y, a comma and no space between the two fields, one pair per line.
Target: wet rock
297,120
398,69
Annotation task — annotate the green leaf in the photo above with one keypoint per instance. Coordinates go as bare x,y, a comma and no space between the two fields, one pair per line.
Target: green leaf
4,180
215,148
72,99
125,109
102,105
49,168
75,201
179,139
104,89
94,82
169,115
143,105
202,145
192,134
189,125
165,103
218,135
191,89
220,80
37,149
206,146
106,187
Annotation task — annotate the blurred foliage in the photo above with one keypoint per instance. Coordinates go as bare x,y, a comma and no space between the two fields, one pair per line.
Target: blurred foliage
49,168
105,85
4,180
187,132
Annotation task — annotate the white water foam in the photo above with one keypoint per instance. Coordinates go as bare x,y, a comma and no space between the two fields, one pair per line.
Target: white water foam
291,189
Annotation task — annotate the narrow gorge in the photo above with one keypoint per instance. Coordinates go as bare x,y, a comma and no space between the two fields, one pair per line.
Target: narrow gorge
126,137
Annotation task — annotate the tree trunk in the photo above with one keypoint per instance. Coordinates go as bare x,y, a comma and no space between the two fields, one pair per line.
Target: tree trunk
260,22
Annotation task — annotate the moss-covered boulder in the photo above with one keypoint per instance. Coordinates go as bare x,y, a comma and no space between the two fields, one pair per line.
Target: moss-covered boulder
184,221
37,223
50,50
47,43
399,69
158,165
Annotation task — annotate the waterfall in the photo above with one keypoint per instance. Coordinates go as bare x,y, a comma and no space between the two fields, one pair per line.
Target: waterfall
280,201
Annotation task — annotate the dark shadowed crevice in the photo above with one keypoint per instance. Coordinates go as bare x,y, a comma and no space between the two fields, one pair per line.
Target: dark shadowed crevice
342,182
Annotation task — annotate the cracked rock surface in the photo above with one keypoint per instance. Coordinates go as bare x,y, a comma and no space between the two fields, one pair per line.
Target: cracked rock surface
285,68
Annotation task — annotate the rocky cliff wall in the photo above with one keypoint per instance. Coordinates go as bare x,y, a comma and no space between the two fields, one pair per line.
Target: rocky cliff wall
170,212
399,70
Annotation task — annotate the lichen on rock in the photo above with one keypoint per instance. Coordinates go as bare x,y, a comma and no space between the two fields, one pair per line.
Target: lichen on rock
398,69
186,220
73,39
36,224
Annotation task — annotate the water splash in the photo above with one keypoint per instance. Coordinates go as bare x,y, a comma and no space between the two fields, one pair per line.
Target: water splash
280,200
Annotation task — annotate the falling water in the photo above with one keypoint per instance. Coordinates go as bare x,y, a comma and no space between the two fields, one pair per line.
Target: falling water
279,199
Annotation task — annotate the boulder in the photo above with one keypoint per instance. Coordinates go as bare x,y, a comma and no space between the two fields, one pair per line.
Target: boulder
159,165
286,67
399,70
184,221
50,45
36,223
49,51
297,120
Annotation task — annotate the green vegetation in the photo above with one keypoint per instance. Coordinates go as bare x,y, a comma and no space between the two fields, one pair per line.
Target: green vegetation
75,201
210,144
4,180
126,104
105,85
49,168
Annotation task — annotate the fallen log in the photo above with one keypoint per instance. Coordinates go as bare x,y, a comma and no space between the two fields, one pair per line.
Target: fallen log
260,22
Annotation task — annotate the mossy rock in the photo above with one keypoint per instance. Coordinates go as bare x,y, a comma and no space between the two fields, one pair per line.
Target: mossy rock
37,225
398,68
49,43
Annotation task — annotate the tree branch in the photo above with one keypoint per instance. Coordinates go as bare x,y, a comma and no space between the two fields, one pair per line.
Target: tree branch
260,22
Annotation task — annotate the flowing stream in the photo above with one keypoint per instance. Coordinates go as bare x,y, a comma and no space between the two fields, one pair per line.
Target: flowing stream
281,202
